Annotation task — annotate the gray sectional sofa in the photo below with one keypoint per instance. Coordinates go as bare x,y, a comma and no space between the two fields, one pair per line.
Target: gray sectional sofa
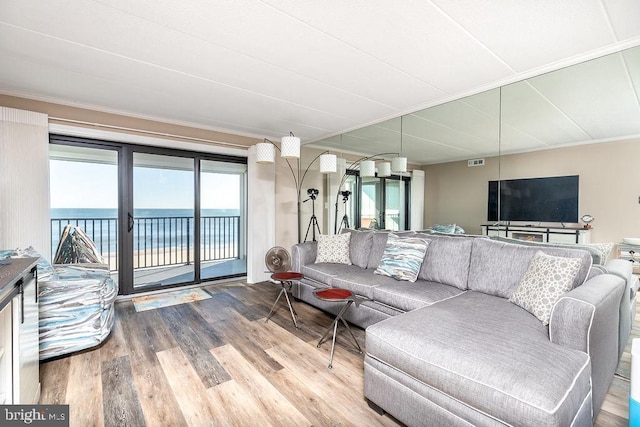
451,349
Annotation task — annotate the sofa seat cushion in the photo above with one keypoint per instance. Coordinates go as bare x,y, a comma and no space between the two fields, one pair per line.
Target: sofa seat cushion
361,282
408,296
489,354
324,272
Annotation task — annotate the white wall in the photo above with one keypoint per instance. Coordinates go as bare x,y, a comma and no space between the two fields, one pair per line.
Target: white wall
609,186
261,215
24,181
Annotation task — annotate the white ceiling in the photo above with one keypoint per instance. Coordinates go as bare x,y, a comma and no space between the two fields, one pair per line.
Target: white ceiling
266,67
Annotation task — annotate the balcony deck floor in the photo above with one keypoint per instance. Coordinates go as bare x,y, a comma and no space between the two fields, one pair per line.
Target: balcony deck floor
175,274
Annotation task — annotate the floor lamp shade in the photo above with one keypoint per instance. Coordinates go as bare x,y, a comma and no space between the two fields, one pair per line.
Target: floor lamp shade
290,148
384,169
265,152
399,164
367,168
328,163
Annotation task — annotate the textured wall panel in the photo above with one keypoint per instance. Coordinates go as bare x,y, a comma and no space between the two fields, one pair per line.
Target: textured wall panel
24,180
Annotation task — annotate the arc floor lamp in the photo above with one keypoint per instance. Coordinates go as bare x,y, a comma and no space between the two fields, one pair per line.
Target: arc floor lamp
290,149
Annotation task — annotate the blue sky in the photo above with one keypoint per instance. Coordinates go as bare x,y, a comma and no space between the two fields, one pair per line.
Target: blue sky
93,185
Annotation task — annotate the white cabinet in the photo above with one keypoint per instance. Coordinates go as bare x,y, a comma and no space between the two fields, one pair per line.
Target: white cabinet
6,352
539,234
19,340
26,381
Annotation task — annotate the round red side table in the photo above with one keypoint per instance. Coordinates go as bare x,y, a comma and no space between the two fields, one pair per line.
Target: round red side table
337,295
285,279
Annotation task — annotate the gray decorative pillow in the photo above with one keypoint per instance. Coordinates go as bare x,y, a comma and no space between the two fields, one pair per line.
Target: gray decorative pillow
402,257
545,281
334,248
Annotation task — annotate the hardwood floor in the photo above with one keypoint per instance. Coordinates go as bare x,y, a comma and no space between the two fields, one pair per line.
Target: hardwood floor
216,362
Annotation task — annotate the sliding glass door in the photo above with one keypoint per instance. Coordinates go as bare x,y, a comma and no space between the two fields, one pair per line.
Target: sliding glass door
84,193
222,208
163,220
383,203
159,217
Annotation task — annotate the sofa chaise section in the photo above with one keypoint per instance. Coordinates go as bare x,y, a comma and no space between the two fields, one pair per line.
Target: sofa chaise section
481,358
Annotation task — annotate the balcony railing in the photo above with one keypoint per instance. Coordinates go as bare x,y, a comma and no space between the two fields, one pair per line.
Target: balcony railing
159,241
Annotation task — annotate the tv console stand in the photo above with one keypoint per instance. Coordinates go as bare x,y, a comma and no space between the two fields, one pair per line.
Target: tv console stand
539,234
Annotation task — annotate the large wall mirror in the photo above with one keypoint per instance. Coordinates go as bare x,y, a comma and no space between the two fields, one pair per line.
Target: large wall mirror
580,120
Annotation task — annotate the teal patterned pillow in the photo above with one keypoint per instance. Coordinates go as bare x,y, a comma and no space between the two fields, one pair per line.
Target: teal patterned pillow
402,257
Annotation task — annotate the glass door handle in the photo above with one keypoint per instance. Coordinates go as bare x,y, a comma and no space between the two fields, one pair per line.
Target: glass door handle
131,222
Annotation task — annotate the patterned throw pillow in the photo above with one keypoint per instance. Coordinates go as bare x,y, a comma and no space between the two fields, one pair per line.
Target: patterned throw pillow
334,248
603,248
402,257
546,280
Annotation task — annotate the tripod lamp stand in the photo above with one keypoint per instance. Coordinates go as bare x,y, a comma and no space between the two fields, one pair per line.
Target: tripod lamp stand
345,218
290,149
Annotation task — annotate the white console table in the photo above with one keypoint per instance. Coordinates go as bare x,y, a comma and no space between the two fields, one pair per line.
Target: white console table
539,234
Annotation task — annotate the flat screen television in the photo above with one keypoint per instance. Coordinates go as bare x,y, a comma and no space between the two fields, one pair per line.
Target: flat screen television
552,199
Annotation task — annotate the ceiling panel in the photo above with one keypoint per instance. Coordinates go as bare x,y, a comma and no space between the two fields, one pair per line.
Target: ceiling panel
539,32
425,45
624,16
260,31
527,110
265,67
597,95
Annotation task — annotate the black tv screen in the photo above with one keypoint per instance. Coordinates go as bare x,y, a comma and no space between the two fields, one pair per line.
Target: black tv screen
553,199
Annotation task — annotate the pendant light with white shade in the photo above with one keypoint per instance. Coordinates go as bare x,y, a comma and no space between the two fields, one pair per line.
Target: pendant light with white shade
290,146
328,163
265,152
367,168
384,169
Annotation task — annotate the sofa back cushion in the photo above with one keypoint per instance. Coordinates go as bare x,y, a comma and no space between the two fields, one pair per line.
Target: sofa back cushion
497,267
599,251
360,246
378,243
447,260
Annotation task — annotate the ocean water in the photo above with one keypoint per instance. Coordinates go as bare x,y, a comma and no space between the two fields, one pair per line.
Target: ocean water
158,229
158,213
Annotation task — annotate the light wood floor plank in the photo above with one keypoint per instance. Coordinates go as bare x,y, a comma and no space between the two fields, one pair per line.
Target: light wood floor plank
157,400
235,407
272,404
84,390
338,385
187,388
54,376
